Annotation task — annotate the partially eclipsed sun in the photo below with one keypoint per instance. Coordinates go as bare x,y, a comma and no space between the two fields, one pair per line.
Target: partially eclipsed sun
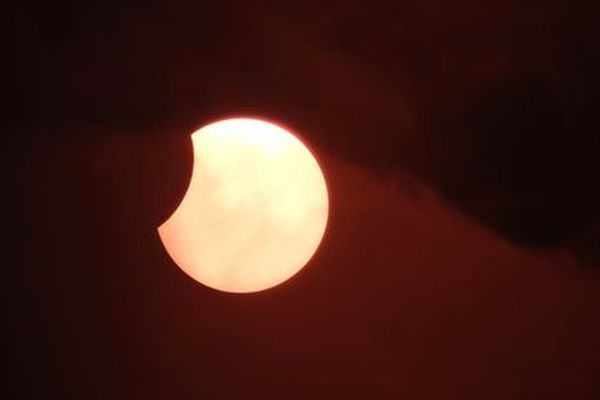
255,210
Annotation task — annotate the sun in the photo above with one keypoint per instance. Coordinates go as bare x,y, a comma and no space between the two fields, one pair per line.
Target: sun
255,210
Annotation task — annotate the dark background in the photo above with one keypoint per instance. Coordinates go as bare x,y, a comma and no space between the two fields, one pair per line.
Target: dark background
460,142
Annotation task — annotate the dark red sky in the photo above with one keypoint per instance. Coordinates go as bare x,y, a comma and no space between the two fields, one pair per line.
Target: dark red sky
460,144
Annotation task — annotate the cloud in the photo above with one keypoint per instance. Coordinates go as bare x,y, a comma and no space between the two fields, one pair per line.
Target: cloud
436,303
407,296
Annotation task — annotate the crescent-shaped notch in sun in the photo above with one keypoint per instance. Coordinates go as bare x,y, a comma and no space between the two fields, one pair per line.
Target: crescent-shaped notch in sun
255,210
